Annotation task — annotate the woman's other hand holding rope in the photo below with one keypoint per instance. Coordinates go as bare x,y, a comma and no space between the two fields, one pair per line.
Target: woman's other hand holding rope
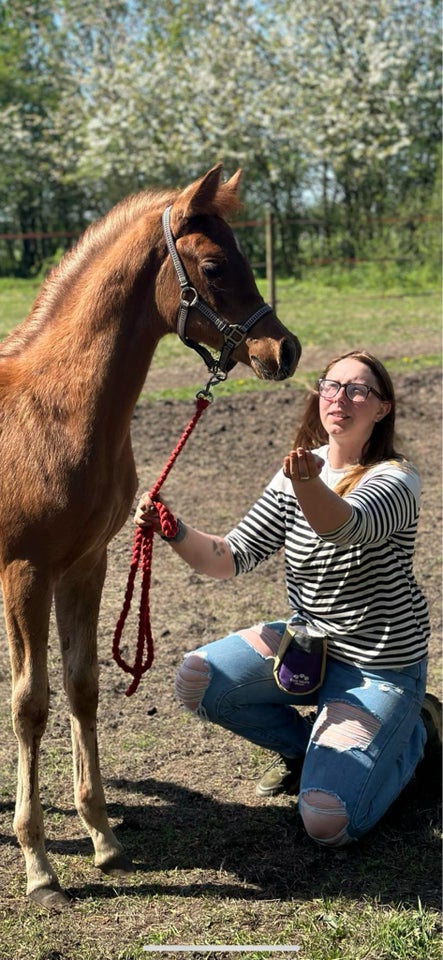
146,515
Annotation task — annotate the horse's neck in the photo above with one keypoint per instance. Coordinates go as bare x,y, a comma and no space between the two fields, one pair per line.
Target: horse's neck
88,363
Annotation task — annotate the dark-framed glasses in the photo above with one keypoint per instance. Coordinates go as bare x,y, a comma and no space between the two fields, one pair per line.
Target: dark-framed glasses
357,392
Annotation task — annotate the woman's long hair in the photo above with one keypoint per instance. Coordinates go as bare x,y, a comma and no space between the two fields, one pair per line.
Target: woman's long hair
380,446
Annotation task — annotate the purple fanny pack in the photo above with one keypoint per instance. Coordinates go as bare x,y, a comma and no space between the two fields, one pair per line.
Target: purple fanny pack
299,665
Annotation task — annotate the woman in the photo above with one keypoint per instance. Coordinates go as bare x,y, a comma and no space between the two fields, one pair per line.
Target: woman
345,508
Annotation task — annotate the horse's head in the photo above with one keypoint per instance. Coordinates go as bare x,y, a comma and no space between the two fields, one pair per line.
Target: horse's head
207,289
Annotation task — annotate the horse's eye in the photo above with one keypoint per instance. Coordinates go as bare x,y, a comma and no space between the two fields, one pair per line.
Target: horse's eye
212,269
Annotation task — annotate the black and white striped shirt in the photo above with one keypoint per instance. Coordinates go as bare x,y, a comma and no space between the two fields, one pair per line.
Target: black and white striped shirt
355,584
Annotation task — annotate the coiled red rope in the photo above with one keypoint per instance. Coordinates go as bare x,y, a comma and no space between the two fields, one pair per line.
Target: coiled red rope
142,559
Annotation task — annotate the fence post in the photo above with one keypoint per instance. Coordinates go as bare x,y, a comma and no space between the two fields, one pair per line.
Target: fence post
270,275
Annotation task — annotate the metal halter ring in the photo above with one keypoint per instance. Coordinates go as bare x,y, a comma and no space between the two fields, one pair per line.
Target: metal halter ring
184,301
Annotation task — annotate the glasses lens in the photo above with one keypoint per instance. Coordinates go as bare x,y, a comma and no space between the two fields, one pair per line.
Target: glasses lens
328,388
357,392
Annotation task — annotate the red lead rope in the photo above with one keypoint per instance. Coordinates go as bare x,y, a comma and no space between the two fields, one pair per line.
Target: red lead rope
142,558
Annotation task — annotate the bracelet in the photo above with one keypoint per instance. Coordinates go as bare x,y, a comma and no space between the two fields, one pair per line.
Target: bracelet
179,536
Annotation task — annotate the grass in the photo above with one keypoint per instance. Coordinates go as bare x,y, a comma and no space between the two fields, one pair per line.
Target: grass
118,922
404,329
300,380
376,315
330,319
402,326
16,297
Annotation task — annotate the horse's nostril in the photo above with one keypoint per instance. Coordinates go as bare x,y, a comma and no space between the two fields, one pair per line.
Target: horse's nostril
290,351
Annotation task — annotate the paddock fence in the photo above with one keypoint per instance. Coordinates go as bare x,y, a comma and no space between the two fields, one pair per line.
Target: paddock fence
293,248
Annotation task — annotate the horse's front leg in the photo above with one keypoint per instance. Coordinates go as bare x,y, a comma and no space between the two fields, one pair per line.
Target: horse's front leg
27,599
77,602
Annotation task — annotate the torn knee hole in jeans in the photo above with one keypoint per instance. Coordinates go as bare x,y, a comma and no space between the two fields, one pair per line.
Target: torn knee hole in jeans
342,726
192,681
324,817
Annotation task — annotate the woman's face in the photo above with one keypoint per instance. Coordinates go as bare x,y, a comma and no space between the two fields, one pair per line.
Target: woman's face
341,417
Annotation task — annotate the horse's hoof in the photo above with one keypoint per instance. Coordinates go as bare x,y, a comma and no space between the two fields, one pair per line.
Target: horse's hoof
117,866
50,897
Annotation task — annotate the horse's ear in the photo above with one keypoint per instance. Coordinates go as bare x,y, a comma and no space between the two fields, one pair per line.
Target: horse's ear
228,194
232,184
205,196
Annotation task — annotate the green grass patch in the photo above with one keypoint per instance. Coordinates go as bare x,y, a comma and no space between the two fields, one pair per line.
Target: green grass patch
331,319
321,930
322,316
232,386
16,298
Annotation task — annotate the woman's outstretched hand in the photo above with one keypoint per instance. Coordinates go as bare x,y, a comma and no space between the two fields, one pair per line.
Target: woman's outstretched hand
301,465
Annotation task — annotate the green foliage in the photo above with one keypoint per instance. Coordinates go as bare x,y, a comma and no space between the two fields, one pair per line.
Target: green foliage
333,111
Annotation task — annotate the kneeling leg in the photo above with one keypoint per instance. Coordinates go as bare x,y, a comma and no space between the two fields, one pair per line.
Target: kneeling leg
340,727
325,818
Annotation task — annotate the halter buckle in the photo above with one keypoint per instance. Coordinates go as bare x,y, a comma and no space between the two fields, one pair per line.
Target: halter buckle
234,335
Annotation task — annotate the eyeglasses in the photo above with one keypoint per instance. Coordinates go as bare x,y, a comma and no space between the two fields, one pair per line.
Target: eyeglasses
357,392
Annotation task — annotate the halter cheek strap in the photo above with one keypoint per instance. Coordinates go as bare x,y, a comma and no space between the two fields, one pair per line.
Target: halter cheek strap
233,334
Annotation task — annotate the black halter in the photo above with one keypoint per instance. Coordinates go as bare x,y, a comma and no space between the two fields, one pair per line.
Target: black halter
233,334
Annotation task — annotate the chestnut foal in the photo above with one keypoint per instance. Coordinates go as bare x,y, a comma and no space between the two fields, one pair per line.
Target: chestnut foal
70,376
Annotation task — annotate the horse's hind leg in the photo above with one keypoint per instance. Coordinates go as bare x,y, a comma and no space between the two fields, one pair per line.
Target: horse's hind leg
77,601
27,596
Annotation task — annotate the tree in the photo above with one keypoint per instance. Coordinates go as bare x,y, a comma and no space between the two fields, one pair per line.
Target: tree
367,78
332,107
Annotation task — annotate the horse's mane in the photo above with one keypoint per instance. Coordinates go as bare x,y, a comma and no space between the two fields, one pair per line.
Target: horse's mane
95,239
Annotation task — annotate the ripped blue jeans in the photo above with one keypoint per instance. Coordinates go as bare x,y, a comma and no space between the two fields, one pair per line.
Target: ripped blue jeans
362,750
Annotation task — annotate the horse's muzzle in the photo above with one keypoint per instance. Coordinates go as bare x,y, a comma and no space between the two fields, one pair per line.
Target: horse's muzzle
286,360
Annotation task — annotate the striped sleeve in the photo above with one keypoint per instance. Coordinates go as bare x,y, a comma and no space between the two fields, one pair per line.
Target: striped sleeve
259,534
385,502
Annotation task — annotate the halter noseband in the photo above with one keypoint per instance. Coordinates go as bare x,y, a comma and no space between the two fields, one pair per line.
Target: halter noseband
233,334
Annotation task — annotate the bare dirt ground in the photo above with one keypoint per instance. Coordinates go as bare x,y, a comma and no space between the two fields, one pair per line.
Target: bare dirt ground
181,793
